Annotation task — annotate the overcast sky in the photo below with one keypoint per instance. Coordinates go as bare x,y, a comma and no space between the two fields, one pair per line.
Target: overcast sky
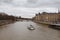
28,8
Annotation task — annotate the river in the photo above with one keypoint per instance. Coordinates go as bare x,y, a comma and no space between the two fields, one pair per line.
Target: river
19,31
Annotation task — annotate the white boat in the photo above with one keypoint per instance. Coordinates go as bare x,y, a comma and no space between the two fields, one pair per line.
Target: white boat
31,27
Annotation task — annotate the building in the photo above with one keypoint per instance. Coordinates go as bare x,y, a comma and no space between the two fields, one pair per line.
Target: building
48,17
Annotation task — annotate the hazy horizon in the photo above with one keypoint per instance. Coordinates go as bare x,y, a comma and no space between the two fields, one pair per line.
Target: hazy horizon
28,8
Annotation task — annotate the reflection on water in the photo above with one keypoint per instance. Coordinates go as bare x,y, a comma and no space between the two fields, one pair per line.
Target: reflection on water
19,31
54,27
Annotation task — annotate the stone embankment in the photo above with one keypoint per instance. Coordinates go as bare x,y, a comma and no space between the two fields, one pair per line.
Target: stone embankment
4,22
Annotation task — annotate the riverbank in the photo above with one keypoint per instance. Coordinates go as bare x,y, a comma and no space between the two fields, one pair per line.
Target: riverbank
4,22
50,25
46,23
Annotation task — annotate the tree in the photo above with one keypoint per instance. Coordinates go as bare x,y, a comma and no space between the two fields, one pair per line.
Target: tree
39,13
36,14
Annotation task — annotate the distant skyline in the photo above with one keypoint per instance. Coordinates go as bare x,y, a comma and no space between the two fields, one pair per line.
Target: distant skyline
28,8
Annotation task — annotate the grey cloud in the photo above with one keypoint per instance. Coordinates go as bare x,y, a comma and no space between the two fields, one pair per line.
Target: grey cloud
47,3
28,7
33,3
6,1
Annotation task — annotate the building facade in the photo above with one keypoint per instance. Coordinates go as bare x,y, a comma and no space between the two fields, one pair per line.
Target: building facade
48,17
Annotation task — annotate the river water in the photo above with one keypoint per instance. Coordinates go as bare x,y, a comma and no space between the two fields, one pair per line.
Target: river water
19,31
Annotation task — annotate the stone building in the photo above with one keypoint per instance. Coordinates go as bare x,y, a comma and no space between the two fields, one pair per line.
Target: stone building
48,17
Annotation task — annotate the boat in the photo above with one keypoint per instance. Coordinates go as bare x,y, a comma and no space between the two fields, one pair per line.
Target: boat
31,27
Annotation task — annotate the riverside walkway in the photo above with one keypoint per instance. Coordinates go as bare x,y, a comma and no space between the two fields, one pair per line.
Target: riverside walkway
49,23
